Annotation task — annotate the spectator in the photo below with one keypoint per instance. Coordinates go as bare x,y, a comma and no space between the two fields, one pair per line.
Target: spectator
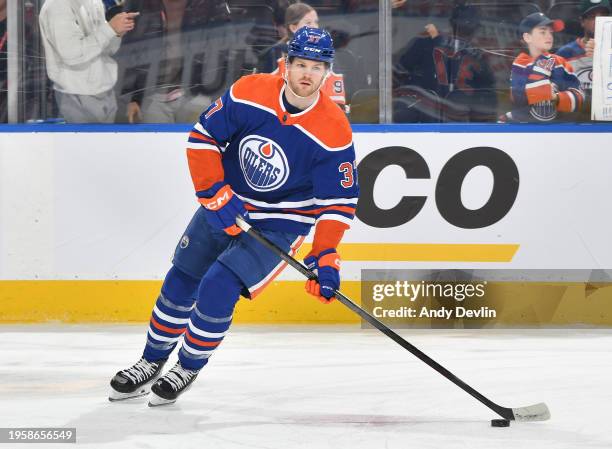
297,16
78,45
579,53
161,29
3,63
542,84
449,77
265,32
112,8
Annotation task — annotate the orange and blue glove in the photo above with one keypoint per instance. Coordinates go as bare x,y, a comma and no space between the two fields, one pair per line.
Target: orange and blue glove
222,206
327,268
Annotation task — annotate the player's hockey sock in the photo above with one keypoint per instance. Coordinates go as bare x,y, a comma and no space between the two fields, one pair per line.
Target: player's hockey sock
170,314
211,317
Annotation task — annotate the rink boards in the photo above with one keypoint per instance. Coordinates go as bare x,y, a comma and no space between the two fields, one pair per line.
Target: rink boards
89,218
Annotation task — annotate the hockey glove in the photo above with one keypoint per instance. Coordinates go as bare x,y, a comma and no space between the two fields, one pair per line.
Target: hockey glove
327,268
222,207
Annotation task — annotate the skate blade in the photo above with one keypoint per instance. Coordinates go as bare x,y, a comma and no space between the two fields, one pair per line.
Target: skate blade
115,396
156,401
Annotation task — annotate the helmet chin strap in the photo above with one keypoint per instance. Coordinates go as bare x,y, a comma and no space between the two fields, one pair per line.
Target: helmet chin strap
286,78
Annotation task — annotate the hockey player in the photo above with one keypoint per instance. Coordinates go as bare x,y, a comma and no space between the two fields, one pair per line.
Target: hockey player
297,16
542,84
277,152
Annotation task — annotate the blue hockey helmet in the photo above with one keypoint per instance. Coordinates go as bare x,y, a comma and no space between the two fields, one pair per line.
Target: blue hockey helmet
312,43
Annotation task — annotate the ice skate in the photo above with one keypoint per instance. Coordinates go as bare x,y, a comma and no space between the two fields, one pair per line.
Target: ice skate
135,381
171,385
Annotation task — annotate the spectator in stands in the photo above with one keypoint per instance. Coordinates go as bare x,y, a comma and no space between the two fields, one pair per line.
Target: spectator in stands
161,30
269,26
3,63
297,16
543,85
579,53
448,78
78,45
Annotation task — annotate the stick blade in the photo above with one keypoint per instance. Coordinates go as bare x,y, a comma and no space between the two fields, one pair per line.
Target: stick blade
536,412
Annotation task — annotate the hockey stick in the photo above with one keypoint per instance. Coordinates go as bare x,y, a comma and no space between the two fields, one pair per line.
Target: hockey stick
536,412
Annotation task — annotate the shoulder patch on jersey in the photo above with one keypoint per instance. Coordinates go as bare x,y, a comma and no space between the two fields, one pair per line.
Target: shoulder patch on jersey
523,59
327,125
258,90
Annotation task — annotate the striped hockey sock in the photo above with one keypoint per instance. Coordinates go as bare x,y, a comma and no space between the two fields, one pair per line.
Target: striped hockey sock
210,320
170,314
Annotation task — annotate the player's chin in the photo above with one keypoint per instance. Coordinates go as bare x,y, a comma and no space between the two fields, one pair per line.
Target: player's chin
307,91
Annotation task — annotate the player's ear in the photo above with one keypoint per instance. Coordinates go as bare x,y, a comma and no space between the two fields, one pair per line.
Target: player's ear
328,70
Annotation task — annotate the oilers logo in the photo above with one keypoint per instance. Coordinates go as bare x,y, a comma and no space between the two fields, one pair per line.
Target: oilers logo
585,76
263,163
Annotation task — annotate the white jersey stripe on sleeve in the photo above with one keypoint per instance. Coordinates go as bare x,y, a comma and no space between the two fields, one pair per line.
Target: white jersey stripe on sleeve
198,127
202,146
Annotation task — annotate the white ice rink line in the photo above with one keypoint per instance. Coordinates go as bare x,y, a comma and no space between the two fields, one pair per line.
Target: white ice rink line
316,387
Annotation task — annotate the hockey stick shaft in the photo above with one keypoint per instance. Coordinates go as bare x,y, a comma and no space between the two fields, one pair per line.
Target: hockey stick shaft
502,411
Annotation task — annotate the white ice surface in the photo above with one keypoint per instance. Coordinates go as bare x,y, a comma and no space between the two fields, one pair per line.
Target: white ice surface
316,387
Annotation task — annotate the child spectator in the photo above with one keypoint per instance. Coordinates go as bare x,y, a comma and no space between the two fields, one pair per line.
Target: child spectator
543,85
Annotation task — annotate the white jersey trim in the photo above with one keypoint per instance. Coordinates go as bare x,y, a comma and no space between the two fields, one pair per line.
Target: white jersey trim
282,204
335,217
267,216
541,70
333,201
308,109
537,84
321,144
198,126
202,146
297,204
250,103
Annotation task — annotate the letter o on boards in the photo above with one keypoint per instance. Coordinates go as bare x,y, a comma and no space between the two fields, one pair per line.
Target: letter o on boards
505,187
370,167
